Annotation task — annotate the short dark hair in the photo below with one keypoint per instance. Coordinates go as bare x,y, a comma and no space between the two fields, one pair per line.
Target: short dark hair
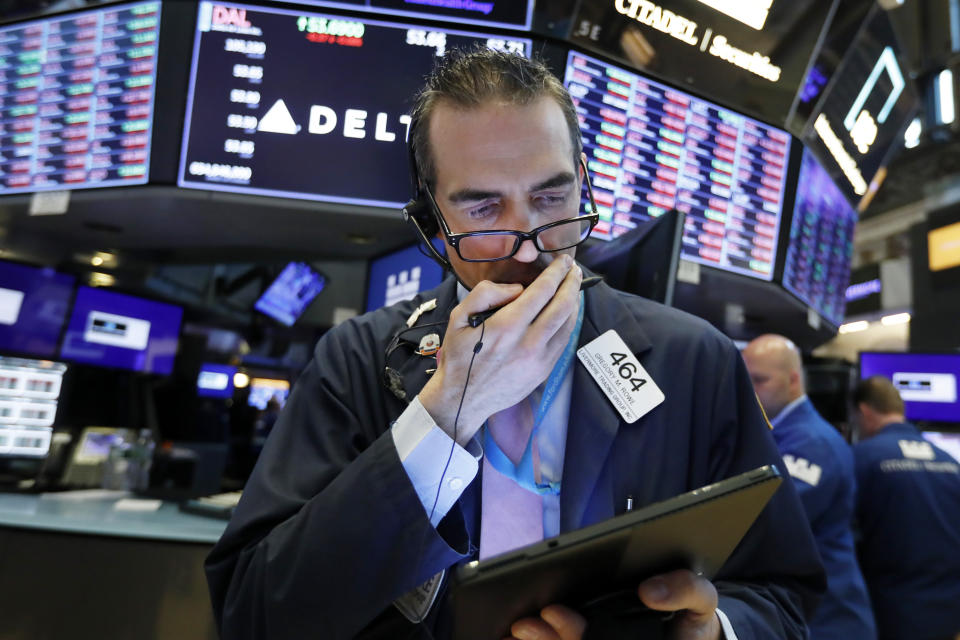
471,77
878,393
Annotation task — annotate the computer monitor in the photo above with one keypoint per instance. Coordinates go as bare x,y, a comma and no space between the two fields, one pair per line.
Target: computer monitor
33,308
651,148
817,267
86,464
300,104
77,98
400,275
927,382
949,442
117,330
29,393
262,390
291,293
642,261
215,380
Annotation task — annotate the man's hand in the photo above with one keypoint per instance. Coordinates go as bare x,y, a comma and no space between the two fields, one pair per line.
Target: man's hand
521,344
693,596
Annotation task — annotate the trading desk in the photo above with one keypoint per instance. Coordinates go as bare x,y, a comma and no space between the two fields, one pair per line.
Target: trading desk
75,566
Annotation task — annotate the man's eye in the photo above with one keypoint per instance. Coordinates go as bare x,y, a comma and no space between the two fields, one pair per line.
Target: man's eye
551,199
483,211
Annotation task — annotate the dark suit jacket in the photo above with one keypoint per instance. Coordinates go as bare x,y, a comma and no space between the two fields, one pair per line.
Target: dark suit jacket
828,497
330,530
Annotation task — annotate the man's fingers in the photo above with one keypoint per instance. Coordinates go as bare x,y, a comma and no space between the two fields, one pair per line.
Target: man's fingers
532,629
555,314
568,624
680,590
541,291
556,622
488,295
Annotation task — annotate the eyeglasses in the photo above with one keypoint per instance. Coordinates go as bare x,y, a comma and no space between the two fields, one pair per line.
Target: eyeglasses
490,246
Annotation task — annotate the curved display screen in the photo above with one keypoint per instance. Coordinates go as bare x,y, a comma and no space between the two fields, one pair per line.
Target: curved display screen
651,148
817,269
310,106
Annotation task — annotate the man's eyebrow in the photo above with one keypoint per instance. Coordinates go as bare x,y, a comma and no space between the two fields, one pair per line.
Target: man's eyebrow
562,179
475,195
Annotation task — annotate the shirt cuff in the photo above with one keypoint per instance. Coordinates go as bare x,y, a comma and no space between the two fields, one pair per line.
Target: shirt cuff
424,449
728,632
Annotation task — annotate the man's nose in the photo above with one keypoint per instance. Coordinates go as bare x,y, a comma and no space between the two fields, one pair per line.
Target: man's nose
527,252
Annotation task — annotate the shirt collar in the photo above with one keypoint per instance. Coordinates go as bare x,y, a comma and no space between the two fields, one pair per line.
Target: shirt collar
787,409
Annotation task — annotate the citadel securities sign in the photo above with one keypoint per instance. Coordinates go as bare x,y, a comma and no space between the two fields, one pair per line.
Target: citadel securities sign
685,30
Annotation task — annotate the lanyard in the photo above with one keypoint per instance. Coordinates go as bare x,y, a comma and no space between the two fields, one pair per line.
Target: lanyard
522,472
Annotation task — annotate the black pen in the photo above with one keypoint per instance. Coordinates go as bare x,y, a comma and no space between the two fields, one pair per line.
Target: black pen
476,319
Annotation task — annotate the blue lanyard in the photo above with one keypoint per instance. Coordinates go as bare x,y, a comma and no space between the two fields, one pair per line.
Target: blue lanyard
522,473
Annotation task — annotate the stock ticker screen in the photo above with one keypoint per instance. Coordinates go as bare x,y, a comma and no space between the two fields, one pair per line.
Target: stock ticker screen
651,148
76,99
492,13
817,269
302,105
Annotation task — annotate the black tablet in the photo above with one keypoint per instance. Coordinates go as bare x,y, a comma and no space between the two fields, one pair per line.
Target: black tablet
696,530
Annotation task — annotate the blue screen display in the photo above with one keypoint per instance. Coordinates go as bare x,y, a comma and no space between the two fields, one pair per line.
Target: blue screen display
927,382
117,330
33,308
291,293
215,380
817,269
262,390
400,276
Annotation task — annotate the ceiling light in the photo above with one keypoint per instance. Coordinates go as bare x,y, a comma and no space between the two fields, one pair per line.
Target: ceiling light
852,327
944,91
240,380
897,318
98,279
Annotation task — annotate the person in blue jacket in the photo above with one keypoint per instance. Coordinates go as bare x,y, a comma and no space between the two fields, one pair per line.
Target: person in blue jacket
377,479
908,511
820,462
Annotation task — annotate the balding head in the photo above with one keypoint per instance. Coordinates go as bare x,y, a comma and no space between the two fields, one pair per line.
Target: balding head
776,370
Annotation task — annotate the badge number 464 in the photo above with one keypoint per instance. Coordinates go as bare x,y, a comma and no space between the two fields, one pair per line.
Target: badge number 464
627,370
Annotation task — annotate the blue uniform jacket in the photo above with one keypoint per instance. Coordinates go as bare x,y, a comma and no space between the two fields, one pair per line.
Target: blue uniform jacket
908,508
821,464
330,530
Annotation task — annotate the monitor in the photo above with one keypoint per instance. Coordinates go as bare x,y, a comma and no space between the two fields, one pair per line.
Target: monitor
215,380
76,99
817,267
651,148
33,308
29,393
862,113
751,55
117,330
927,382
643,260
262,390
508,14
291,293
303,105
400,275
949,442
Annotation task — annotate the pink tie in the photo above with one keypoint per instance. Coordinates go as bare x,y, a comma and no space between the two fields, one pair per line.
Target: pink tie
511,516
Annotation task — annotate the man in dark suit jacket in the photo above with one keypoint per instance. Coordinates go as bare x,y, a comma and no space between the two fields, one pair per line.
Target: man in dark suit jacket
820,463
908,509
362,494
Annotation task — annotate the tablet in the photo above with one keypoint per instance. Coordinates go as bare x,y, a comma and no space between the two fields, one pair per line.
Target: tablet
696,530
